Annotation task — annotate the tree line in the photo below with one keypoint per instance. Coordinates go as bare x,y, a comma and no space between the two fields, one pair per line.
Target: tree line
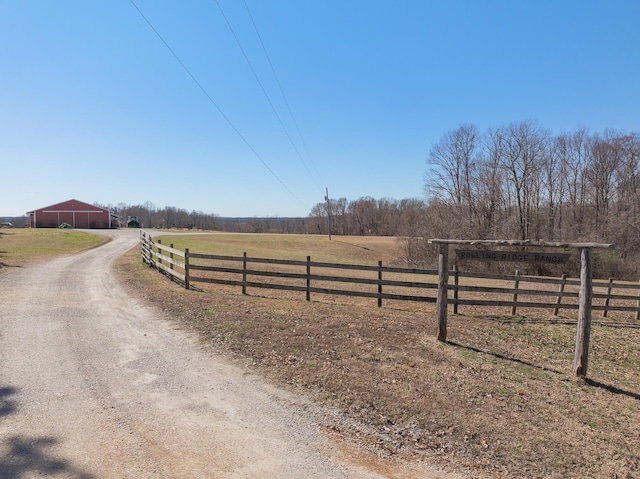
150,216
367,216
522,182
364,216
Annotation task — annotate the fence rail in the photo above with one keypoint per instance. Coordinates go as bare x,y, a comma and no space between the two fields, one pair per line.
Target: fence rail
386,282
162,258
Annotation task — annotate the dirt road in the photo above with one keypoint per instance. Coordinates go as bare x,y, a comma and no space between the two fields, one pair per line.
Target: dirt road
95,385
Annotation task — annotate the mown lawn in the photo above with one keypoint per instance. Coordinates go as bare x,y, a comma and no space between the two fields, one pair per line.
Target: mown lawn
21,246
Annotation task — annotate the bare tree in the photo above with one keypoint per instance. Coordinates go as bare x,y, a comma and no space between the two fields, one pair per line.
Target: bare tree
411,216
522,153
628,179
364,214
341,221
492,197
572,151
604,162
452,169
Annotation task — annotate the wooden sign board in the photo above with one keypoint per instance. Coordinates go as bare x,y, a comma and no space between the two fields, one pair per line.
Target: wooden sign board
519,256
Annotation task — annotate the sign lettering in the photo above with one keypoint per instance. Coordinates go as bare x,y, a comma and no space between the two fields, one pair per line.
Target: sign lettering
516,256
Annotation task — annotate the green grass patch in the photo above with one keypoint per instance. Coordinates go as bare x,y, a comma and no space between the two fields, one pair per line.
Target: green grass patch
19,247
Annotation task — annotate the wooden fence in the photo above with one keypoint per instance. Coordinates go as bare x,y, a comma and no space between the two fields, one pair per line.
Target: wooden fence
512,292
554,293
291,275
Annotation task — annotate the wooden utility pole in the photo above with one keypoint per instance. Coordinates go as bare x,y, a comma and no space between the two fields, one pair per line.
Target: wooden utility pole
328,213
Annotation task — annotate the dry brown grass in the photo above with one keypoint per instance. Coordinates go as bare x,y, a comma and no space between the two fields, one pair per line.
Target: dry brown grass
499,398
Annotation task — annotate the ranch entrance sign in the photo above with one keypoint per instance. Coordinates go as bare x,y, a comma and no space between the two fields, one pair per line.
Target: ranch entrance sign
585,296
520,256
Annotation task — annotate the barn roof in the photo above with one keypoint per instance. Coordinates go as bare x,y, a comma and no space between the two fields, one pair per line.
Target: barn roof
71,205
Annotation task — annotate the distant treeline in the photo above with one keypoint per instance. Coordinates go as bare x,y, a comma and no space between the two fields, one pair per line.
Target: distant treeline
365,216
518,181
150,216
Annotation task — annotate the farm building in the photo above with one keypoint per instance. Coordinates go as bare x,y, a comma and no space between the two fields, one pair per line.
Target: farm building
73,212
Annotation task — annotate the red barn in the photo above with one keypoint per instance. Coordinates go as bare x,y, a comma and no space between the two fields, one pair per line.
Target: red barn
73,212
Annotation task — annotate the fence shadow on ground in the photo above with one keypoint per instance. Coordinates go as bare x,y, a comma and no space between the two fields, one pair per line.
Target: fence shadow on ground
612,389
591,382
503,357
25,456
563,321
524,319
6,265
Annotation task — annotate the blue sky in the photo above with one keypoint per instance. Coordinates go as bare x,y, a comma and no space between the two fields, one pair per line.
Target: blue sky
94,106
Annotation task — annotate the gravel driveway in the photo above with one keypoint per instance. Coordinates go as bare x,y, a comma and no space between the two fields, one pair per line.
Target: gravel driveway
96,385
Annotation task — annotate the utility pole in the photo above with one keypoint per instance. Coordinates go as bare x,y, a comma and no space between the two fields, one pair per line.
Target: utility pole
328,214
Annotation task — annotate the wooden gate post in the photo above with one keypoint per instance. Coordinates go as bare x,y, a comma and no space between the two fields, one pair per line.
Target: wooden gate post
379,284
514,308
244,273
308,278
186,268
443,283
581,357
456,283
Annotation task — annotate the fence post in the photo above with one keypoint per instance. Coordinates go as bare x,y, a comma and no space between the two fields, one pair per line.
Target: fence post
171,256
186,268
443,283
142,244
515,294
581,357
150,250
560,291
606,300
380,284
456,283
158,260
244,273
308,278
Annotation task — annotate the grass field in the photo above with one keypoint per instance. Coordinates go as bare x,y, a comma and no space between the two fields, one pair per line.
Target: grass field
353,249
499,399
21,246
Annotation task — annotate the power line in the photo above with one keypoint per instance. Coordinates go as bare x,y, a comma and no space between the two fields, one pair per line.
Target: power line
286,101
264,91
211,100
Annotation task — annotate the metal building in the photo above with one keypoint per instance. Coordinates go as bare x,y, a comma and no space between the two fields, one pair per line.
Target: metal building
72,212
